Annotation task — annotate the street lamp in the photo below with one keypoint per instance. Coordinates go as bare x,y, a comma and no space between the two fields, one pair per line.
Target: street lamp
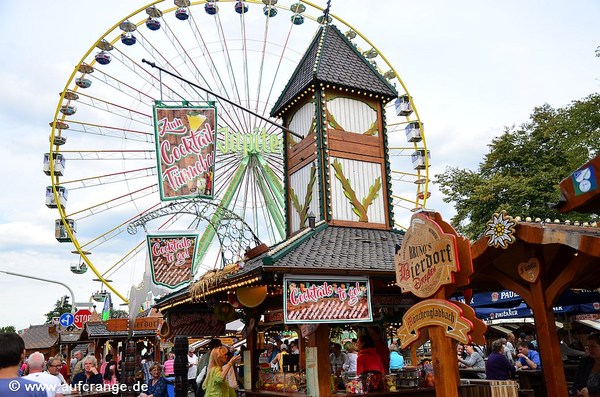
48,281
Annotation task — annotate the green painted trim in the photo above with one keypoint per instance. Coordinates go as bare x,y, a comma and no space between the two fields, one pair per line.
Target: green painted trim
322,169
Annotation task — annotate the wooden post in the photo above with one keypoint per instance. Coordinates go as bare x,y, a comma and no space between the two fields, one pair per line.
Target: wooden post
320,339
554,374
443,355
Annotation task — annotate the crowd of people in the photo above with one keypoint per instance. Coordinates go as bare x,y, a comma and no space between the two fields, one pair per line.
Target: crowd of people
216,372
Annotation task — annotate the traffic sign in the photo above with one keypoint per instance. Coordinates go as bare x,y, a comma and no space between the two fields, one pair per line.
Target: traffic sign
66,319
81,317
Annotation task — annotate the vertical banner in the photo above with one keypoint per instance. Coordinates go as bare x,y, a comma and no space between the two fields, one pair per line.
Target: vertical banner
185,147
172,258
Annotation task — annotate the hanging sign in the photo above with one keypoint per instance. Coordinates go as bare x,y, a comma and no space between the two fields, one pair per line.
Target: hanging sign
427,258
434,312
185,147
326,300
193,324
172,258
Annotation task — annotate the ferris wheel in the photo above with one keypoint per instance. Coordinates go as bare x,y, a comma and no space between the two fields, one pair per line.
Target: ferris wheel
102,154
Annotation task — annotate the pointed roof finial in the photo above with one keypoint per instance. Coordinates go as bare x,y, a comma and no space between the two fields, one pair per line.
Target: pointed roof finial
326,11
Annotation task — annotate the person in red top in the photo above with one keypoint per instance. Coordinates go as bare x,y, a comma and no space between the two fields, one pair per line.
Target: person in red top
368,359
380,346
369,362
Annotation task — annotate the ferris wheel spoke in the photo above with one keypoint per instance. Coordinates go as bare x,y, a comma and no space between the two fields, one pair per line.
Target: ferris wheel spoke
245,62
149,78
119,86
115,109
231,74
276,73
115,231
109,154
262,61
112,178
228,110
107,131
114,202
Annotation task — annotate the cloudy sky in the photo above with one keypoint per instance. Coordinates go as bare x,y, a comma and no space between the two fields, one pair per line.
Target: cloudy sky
472,67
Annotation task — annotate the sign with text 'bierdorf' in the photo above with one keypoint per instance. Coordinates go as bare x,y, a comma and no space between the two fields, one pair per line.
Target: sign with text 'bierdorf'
427,259
172,258
185,147
326,299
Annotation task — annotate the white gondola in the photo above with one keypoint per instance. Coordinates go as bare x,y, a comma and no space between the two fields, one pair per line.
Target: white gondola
418,159
403,106
413,132
59,140
60,230
62,197
59,163
99,296
79,268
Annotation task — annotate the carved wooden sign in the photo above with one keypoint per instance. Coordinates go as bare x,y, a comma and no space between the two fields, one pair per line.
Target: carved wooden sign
427,258
530,270
434,312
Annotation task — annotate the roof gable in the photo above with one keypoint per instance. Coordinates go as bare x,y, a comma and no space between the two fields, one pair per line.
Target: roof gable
40,336
332,58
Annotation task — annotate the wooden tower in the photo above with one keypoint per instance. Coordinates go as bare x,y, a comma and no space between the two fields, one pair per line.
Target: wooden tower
340,170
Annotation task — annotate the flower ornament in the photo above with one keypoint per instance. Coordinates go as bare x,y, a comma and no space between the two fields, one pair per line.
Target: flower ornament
501,230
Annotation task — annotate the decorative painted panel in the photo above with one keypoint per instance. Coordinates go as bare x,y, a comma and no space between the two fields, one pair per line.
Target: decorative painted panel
352,115
304,197
356,191
302,121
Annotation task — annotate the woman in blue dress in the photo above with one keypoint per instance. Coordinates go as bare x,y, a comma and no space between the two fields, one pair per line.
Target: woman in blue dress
157,385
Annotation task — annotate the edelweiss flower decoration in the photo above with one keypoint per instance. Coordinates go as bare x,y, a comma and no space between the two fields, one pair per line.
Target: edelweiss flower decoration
501,230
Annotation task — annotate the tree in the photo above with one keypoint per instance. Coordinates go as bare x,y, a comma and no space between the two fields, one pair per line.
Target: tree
521,172
8,328
61,306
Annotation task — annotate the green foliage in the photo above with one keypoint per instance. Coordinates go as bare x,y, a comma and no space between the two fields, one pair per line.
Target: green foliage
524,166
118,313
61,306
8,328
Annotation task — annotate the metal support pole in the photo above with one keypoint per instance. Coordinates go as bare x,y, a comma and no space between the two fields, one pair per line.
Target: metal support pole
48,281
225,99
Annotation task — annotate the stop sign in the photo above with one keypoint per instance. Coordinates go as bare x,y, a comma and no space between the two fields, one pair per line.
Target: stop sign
81,317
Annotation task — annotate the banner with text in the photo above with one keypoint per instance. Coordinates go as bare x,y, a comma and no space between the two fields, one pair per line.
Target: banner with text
326,300
172,258
185,147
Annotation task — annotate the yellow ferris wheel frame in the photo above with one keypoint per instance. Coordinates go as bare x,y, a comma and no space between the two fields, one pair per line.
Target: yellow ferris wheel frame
422,175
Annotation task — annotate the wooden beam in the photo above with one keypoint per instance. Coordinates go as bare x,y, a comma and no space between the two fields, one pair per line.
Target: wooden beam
549,345
571,272
320,339
509,283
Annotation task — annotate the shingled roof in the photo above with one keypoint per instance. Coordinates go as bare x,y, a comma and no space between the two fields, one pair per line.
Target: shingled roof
333,249
332,58
40,336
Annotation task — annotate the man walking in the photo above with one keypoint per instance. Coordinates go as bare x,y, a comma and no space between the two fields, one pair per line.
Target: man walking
192,369
12,353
